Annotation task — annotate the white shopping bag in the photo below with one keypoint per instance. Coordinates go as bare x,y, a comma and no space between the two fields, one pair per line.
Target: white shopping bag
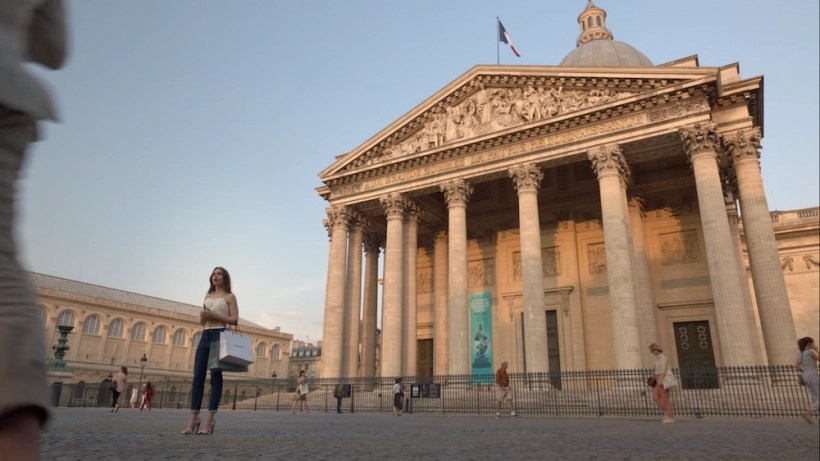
235,348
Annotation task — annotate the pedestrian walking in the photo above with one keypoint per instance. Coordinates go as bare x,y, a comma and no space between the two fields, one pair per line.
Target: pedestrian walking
134,395
147,395
807,365
660,394
398,397
502,390
337,394
302,391
119,383
31,31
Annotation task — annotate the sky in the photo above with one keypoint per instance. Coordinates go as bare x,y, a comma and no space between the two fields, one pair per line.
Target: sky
192,132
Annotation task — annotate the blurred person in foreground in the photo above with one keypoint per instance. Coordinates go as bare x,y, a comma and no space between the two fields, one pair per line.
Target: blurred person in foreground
30,31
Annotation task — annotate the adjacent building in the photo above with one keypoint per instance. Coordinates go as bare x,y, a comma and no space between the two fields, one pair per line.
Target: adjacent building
114,328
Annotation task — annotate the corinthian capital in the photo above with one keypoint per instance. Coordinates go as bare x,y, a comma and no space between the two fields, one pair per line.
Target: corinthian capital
744,145
609,159
456,191
372,243
394,205
699,138
526,177
413,211
337,216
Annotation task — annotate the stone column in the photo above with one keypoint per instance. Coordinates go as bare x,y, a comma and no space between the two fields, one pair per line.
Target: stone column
643,282
391,365
409,310
372,242
758,356
440,295
702,144
767,274
612,170
527,179
456,193
332,353
353,298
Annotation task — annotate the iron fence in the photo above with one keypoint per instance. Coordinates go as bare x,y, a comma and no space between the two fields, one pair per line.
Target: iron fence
759,391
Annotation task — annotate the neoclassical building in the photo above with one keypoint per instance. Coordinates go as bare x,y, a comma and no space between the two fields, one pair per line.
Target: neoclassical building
563,218
114,328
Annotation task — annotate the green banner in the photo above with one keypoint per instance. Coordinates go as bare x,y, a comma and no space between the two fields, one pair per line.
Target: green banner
481,332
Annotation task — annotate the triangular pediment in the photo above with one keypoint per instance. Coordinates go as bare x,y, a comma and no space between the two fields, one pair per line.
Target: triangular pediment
491,100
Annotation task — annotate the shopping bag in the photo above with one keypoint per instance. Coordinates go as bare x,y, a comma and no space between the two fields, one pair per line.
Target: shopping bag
235,348
215,364
669,380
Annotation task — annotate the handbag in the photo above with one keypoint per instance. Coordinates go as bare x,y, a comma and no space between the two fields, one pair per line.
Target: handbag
651,381
800,380
215,364
235,348
669,380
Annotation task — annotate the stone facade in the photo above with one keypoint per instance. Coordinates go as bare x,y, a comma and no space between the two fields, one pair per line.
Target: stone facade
564,217
114,328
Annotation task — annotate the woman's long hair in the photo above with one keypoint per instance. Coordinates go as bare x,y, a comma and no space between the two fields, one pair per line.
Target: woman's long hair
226,284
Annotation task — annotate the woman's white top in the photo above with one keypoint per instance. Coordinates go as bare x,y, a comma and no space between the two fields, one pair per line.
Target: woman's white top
218,305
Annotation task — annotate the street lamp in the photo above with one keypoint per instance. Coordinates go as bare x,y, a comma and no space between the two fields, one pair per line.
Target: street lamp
143,362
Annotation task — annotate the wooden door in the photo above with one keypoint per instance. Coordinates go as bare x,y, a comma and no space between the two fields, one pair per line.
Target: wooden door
696,355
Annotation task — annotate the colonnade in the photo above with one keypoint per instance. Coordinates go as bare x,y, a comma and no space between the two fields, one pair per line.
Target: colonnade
628,276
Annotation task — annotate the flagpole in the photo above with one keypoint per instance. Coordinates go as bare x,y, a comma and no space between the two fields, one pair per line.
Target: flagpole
497,39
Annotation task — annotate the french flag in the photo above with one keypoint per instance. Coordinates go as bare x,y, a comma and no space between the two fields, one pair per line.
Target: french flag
504,37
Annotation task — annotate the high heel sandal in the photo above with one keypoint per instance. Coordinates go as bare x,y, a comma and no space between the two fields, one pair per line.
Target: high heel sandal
209,430
194,429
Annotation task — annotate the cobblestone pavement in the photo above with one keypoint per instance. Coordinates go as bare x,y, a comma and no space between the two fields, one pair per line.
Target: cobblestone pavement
94,433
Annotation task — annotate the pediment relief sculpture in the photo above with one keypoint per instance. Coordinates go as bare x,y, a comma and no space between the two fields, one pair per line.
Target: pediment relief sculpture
486,111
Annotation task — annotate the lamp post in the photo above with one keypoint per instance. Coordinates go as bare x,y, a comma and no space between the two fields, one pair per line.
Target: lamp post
143,362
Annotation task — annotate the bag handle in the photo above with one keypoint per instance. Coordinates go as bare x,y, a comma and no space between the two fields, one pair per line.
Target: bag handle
235,327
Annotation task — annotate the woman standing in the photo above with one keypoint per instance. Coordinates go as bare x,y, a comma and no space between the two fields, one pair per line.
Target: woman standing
398,397
219,310
118,385
807,365
659,394
302,390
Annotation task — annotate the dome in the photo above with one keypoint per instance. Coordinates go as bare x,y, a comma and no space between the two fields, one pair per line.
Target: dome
596,46
606,53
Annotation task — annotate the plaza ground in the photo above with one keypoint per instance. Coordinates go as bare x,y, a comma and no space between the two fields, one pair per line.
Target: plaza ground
95,433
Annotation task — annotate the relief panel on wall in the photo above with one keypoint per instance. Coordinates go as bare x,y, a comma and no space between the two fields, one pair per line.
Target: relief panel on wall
679,248
481,273
549,263
424,281
596,255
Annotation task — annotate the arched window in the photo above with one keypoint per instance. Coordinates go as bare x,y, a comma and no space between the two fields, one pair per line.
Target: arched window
159,335
274,351
138,332
179,338
589,21
65,319
598,20
260,350
92,325
116,328
43,314
195,340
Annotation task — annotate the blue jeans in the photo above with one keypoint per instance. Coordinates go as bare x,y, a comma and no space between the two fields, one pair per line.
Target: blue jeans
200,367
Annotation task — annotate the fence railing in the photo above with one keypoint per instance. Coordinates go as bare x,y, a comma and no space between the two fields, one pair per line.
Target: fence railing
760,391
